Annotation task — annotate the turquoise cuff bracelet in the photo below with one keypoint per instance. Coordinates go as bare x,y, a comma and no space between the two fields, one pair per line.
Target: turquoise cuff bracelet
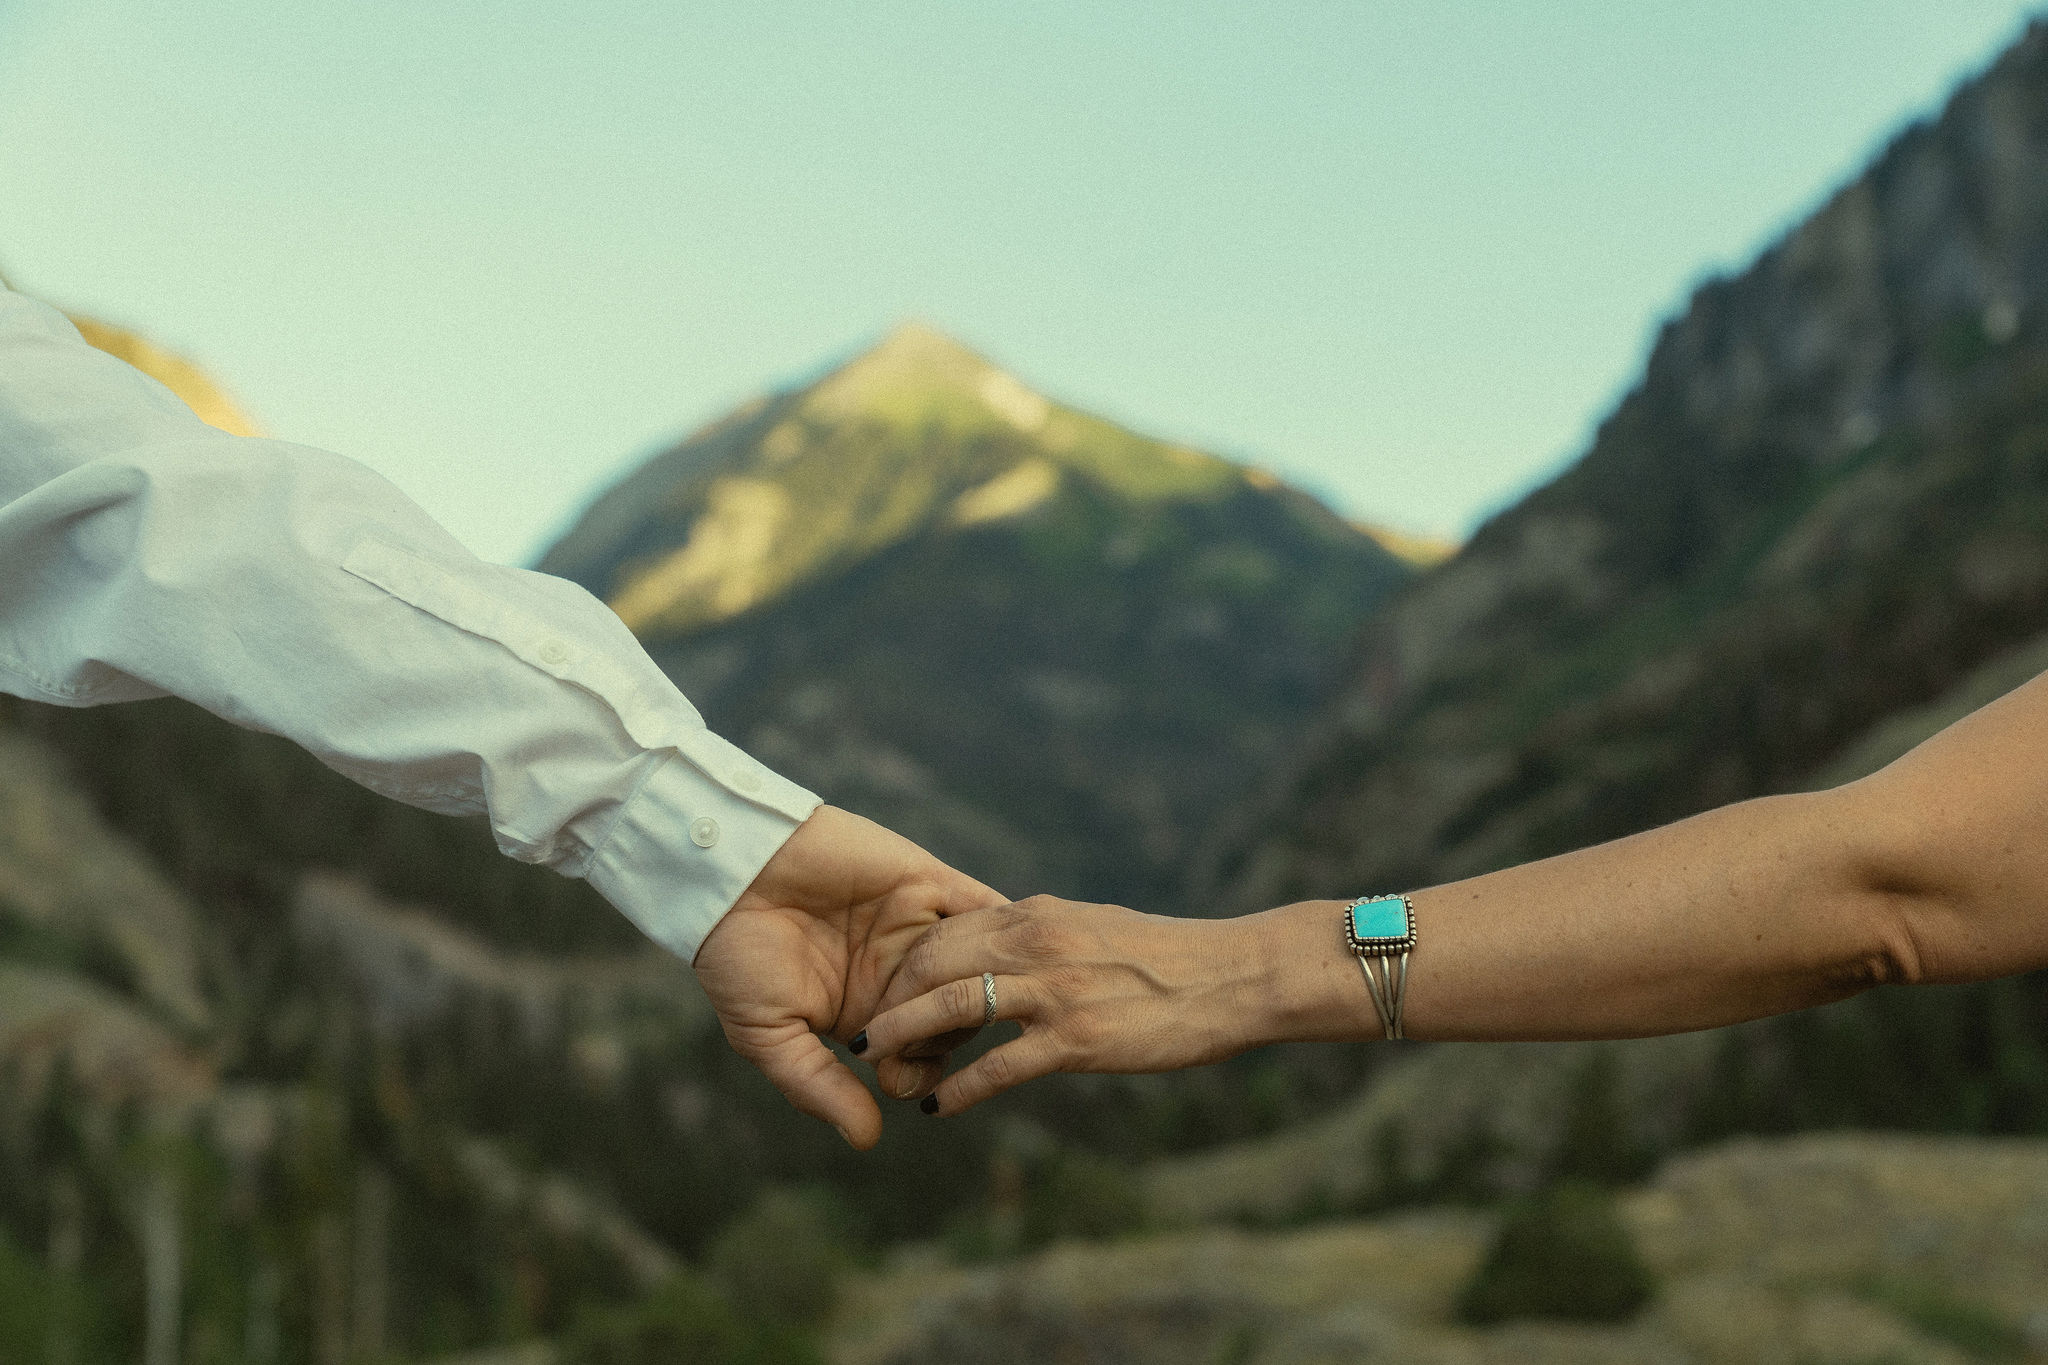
1381,930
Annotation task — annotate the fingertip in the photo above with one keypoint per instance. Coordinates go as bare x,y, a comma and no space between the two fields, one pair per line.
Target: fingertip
904,1078
861,1125
877,1042
889,1075
950,1101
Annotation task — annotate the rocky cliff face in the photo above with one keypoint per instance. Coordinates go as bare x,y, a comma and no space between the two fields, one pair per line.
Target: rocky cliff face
1047,648
1825,500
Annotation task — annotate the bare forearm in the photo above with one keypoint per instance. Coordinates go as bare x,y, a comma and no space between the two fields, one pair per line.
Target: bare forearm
1933,870
1750,910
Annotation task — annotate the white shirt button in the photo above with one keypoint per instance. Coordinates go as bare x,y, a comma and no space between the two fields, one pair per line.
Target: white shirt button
746,782
703,831
554,653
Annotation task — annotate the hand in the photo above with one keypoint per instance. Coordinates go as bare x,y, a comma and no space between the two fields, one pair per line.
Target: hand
1096,987
809,948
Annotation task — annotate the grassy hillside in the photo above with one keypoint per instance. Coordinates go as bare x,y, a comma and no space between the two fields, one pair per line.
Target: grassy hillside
1822,1249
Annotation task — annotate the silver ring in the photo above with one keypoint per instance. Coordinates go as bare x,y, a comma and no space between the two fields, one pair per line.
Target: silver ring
988,999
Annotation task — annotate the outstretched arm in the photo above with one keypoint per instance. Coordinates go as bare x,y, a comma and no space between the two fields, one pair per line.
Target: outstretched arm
294,591
144,553
1932,870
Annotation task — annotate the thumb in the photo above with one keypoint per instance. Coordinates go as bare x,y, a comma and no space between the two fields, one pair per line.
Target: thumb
963,893
816,1082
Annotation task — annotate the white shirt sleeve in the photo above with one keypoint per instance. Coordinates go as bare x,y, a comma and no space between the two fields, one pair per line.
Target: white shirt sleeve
144,553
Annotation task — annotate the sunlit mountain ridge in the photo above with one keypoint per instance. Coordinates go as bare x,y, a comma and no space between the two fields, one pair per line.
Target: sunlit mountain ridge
1047,647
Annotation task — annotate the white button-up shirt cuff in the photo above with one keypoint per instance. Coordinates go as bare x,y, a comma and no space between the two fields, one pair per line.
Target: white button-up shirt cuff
685,846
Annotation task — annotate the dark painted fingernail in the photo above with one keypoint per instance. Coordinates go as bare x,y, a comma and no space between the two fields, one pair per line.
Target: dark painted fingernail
859,1043
930,1104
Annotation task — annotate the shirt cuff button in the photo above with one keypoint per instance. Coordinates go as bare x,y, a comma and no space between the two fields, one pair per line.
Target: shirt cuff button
704,831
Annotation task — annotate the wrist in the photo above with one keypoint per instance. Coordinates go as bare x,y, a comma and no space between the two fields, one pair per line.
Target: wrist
681,852
1302,982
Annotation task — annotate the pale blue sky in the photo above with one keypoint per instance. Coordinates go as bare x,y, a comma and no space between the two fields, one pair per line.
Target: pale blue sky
1403,253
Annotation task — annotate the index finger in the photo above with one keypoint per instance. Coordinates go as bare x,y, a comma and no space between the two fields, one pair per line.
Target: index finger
943,953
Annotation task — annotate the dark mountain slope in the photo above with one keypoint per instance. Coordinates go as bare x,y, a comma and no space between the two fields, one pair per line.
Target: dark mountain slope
1825,501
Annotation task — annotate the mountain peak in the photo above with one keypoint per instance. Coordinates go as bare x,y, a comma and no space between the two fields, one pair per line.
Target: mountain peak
914,437
917,374
916,341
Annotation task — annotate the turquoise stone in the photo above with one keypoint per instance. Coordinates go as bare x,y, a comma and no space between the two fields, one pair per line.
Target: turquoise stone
1383,918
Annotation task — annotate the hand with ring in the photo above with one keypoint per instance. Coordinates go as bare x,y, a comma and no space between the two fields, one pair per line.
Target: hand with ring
1096,988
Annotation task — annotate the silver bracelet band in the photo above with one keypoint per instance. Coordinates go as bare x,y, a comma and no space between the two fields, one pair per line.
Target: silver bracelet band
1380,931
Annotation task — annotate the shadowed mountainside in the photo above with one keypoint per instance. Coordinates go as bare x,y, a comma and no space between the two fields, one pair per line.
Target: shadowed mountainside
1825,501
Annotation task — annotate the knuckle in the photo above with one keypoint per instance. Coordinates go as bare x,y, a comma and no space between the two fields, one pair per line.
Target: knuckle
998,1068
1066,984
959,998
923,954
1038,936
